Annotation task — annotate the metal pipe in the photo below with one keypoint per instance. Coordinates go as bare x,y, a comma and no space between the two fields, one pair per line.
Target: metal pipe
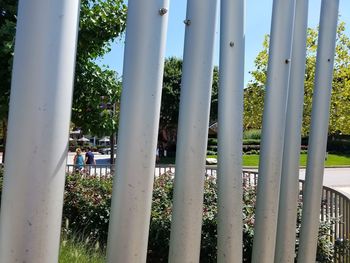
138,130
289,192
318,130
192,137
37,143
230,127
274,117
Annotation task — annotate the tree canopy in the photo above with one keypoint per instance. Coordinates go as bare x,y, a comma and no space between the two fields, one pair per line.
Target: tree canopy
101,22
97,89
339,110
169,112
171,92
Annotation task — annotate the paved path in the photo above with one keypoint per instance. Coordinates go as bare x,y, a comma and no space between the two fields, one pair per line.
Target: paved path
336,178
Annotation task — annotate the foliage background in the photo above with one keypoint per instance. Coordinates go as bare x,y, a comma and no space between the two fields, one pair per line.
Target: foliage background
101,23
339,111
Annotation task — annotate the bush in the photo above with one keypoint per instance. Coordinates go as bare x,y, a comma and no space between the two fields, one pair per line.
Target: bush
87,205
211,153
213,148
87,208
251,141
252,134
212,141
336,143
249,148
252,152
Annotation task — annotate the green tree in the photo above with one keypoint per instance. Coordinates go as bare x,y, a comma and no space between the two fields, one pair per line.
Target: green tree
101,22
253,100
169,112
171,92
339,110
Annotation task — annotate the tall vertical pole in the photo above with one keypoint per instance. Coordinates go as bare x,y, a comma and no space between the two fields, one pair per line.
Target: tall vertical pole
230,127
273,131
40,107
288,203
138,130
191,147
318,130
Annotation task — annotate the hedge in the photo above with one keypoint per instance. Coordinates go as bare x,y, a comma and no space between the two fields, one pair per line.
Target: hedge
87,209
87,202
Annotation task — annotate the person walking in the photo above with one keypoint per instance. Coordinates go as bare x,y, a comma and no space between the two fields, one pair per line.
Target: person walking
89,157
78,161
89,160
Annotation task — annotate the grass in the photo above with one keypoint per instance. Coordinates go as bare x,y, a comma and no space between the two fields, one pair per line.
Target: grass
78,252
333,160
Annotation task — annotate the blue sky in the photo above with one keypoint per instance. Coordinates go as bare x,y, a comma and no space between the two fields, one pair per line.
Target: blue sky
257,24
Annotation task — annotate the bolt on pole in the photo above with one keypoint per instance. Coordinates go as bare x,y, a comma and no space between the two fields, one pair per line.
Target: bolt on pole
193,126
272,142
138,130
289,192
318,131
40,108
230,129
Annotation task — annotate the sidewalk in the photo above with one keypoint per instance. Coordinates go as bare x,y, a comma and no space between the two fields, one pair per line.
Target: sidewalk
336,178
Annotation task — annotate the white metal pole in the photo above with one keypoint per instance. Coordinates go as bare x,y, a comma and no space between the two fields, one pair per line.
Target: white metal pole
138,130
289,192
230,127
40,107
274,117
192,137
318,131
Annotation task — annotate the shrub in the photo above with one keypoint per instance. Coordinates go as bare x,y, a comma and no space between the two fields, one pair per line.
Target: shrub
212,141
251,141
213,148
87,206
87,203
211,153
248,148
252,134
251,152
84,207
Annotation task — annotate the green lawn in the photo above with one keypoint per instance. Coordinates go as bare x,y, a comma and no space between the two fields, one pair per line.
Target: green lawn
253,160
332,160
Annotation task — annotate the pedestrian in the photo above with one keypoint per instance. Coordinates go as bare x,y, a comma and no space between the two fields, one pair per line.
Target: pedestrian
78,161
89,157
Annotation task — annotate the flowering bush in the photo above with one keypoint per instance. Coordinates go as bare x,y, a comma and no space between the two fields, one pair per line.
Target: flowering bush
87,207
